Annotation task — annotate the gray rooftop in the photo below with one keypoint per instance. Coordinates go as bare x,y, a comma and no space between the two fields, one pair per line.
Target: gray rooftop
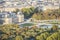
9,15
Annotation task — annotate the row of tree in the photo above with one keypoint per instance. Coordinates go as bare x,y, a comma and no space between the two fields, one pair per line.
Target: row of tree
13,32
39,14
47,14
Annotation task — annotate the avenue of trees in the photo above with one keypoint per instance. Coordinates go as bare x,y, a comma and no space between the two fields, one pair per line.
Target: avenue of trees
47,14
14,32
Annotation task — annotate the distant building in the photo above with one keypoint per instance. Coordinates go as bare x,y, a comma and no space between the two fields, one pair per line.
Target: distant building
11,5
11,18
20,17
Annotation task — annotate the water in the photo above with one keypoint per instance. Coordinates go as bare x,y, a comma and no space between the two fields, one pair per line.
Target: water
40,25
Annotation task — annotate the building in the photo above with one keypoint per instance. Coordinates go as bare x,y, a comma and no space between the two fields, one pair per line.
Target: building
11,5
48,4
11,18
20,17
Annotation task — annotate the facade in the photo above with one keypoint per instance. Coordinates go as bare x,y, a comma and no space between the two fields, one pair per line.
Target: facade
11,18
20,17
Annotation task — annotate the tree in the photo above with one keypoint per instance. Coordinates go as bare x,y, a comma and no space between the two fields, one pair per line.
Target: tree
18,38
54,28
4,37
17,10
32,9
43,36
54,36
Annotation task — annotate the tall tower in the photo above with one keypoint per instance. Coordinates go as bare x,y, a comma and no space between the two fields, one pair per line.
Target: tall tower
20,17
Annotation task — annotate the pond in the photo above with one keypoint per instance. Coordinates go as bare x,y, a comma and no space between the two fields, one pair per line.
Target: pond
26,24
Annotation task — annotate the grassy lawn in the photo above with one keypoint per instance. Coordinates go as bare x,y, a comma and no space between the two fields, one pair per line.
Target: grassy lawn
27,24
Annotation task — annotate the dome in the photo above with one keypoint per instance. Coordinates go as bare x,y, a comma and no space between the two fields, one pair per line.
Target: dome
20,13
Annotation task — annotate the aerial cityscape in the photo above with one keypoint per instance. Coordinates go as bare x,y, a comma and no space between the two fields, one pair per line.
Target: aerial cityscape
29,19
10,5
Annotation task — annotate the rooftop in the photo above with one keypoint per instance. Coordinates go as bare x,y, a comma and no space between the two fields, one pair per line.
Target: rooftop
9,15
